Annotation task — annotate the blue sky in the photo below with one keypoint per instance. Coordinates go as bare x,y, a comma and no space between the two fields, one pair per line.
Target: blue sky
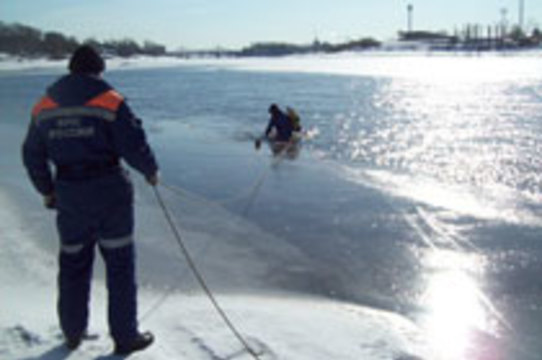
238,23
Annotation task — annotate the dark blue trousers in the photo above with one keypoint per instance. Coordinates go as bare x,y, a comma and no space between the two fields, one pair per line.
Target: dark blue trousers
97,213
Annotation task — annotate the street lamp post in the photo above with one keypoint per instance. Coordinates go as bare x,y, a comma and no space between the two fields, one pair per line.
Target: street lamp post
521,12
410,9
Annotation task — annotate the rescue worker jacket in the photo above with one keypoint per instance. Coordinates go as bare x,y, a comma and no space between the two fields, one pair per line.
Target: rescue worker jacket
83,127
283,126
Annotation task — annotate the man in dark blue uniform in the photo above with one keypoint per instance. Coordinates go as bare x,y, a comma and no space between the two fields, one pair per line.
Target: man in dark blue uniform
279,122
83,127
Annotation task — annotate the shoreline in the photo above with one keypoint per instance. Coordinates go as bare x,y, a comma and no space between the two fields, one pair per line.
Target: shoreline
11,62
432,67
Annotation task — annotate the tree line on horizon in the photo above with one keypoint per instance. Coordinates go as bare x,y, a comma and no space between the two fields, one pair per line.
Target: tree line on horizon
26,41
280,49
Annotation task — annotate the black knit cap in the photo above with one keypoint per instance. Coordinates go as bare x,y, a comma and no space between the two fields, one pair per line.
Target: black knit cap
273,108
86,60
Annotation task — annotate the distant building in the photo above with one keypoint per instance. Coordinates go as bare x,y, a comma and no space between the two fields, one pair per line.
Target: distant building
428,39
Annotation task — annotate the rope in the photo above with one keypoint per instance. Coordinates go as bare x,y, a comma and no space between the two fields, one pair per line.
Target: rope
242,194
250,192
278,157
181,193
200,278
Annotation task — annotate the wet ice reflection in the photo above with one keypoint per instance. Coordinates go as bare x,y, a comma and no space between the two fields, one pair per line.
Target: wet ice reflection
460,318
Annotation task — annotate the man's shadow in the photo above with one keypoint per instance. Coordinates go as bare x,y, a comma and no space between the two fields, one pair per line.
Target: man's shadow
59,352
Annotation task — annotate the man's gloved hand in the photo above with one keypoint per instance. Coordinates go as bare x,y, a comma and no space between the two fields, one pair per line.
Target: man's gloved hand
49,201
153,180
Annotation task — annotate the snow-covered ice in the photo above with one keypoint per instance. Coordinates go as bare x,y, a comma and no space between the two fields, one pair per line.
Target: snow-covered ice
283,326
185,324
239,256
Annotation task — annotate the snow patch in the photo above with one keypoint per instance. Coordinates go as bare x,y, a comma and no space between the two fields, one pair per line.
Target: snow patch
185,324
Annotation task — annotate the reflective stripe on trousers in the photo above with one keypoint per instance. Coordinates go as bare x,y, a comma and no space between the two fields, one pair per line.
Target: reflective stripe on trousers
111,244
107,244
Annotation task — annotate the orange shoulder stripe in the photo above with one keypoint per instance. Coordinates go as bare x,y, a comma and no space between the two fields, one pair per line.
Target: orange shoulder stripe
109,100
45,103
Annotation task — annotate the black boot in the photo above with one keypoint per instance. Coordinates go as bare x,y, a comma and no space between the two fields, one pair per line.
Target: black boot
141,342
73,343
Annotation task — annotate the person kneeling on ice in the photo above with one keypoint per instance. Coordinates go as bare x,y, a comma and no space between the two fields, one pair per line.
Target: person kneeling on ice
280,123
84,127
281,126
